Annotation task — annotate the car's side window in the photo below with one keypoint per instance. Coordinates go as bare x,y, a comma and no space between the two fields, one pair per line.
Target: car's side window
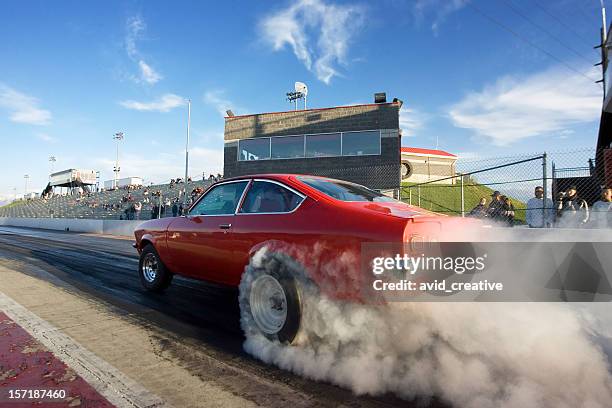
220,200
266,197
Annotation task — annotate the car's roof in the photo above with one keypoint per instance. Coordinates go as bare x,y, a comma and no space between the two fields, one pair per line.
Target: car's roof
279,176
290,179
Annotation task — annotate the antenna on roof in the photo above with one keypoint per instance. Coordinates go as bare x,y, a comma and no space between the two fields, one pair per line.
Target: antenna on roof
301,91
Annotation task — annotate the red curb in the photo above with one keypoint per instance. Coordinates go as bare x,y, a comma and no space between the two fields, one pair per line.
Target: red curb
27,366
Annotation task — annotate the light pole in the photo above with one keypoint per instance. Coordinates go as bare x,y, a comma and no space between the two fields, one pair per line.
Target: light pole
118,137
187,153
52,161
26,177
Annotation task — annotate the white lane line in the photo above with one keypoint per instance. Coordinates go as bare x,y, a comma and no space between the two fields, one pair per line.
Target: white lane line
111,383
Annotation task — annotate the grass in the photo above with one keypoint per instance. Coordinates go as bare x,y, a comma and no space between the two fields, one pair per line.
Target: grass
446,198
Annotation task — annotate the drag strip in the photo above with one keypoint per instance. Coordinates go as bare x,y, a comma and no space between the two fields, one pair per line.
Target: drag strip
197,323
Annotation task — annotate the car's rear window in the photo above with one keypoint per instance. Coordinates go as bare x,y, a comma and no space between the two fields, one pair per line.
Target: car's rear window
345,191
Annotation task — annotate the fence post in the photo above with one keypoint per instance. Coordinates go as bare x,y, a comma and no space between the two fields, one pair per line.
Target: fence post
462,197
410,195
419,191
545,188
159,210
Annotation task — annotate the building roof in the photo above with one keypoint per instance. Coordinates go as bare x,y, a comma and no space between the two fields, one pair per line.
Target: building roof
418,150
313,109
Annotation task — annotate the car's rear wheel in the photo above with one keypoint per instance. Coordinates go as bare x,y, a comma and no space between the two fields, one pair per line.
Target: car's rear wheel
270,302
154,275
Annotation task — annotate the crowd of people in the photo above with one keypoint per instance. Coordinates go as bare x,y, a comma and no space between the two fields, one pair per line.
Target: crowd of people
569,210
159,205
500,209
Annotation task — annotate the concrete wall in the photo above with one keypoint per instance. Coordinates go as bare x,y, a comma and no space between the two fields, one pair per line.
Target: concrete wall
108,227
376,171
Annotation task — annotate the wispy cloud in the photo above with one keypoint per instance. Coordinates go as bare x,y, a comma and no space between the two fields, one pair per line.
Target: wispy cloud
410,120
516,108
46,138
23,108
437,11
148,74
136,28
218,100
318,32
164,103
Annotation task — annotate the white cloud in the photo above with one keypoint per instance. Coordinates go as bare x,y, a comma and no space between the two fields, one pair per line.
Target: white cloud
148,74
219,102
135,30
516,108
410,120
318,32
23,108
165,103
439,10
46,138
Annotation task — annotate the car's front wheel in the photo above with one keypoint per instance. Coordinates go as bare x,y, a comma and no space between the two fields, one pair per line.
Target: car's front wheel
270,302
154,275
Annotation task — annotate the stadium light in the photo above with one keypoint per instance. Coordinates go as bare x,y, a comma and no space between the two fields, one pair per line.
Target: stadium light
187,153
52,160
26,177
118,137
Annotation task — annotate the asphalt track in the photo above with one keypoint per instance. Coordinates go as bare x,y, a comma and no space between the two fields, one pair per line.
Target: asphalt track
203,318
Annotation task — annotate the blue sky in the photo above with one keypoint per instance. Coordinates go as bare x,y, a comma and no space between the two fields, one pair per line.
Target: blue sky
484,78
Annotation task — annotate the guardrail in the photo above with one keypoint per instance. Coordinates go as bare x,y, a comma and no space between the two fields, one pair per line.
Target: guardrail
107,227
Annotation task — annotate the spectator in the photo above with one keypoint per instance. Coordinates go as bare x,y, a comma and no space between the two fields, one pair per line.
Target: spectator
137,210
540,212
175,209
507,213
181,210
495,206
602,210
154,211
480,211
572,211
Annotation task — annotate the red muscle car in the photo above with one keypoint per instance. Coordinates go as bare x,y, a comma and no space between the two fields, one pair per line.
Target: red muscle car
275,225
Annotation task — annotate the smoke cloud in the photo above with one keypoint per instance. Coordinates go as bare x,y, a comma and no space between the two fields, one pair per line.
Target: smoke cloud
472,355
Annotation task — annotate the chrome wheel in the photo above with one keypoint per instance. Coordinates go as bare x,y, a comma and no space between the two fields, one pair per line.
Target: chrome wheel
268,304
150,267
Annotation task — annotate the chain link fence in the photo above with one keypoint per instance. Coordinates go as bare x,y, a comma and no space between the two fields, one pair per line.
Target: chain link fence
475,183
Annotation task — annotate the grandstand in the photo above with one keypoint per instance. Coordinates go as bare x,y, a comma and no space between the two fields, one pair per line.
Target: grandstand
99,205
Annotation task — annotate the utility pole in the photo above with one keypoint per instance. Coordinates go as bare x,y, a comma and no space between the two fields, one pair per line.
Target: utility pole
604,50
187,153
118,137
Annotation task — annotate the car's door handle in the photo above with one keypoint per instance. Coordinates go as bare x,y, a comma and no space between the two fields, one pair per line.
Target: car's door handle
225,226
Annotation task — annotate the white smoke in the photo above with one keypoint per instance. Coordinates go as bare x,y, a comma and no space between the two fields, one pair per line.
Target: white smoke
469,354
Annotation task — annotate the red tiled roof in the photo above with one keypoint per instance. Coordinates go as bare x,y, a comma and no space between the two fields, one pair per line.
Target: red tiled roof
426,151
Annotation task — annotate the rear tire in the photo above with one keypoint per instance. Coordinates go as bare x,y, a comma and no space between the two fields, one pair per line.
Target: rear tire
270,303
154,276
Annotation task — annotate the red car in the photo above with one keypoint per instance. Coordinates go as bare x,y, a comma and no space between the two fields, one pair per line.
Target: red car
281,229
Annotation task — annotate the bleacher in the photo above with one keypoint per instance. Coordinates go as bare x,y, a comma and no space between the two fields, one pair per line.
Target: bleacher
92,205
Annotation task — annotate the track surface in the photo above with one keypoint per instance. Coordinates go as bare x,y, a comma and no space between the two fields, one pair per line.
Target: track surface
203,318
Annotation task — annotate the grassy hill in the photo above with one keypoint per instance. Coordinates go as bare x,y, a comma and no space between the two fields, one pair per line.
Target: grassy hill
446,198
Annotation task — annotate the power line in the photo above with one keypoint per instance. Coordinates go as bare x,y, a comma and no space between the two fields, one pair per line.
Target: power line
526,40
557,39
567,26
